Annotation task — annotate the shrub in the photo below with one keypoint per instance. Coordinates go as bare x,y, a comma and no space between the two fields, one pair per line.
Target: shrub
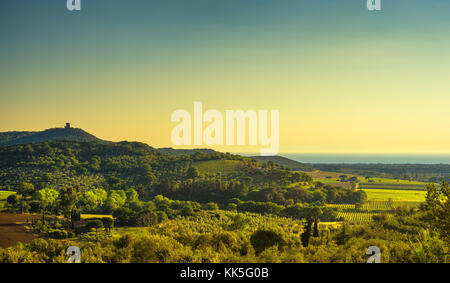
211,206
57,234
264,238
12,199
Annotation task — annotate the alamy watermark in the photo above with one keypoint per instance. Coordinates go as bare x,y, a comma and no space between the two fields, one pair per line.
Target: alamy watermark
75,254
375,254
73,5
235,121
374,5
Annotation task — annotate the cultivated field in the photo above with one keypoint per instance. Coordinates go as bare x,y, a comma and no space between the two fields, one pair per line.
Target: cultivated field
372,207
395,195
383,194
12,229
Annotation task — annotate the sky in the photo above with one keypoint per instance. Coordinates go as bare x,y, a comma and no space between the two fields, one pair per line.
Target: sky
344,79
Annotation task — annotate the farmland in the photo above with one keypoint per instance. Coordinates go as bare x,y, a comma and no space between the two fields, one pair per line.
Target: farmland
396,195
12,229
383,194
372,207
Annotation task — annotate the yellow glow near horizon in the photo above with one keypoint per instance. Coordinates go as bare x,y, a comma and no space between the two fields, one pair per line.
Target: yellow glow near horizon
365,93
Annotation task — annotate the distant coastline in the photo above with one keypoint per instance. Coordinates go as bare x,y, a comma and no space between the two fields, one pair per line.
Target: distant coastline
365,158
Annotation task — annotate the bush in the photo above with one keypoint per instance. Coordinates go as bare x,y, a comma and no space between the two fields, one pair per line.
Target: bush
12,199
162,216
211,206
35,207
108,223
57,234
187,210
232,207
94,224
264,238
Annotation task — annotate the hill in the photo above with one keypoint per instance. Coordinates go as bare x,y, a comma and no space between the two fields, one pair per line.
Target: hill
68,133
283,161
218,166
87,166
178,152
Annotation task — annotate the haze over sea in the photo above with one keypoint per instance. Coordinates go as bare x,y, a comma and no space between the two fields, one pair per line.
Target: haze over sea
366,158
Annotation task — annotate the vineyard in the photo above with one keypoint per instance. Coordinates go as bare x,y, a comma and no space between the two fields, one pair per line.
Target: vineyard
349,213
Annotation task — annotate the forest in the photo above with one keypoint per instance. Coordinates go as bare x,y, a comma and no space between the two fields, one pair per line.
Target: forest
129,202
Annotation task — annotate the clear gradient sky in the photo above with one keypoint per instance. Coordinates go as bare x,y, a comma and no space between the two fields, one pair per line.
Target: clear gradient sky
344,79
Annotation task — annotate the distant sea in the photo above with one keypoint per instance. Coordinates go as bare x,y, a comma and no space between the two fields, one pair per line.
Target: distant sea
366,158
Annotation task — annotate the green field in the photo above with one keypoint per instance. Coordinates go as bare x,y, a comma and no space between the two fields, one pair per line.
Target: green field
369,209
89,216
392,186
389,181
383,195
395,195
3,196
217,166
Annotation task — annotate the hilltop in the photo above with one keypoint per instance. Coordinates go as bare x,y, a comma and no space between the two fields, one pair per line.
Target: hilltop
178,152
283,161
66,133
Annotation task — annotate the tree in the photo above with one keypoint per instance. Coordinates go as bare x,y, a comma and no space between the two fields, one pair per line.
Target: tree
146,219
124,216
264,238
317,196
162,216
94,224
108,223
316,227
304,237
148,178
47,199
359,196
211,206
26,189
331,195
343,236
24,206
132,195
192,172
187,210
437,206
12,199
116,199
342,178
92,199
67,201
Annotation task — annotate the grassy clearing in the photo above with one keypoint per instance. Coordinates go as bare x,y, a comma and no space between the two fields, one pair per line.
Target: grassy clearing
396,195
3,196
217,166
325,175
392,186
330,225
90,216
389,181
137,231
